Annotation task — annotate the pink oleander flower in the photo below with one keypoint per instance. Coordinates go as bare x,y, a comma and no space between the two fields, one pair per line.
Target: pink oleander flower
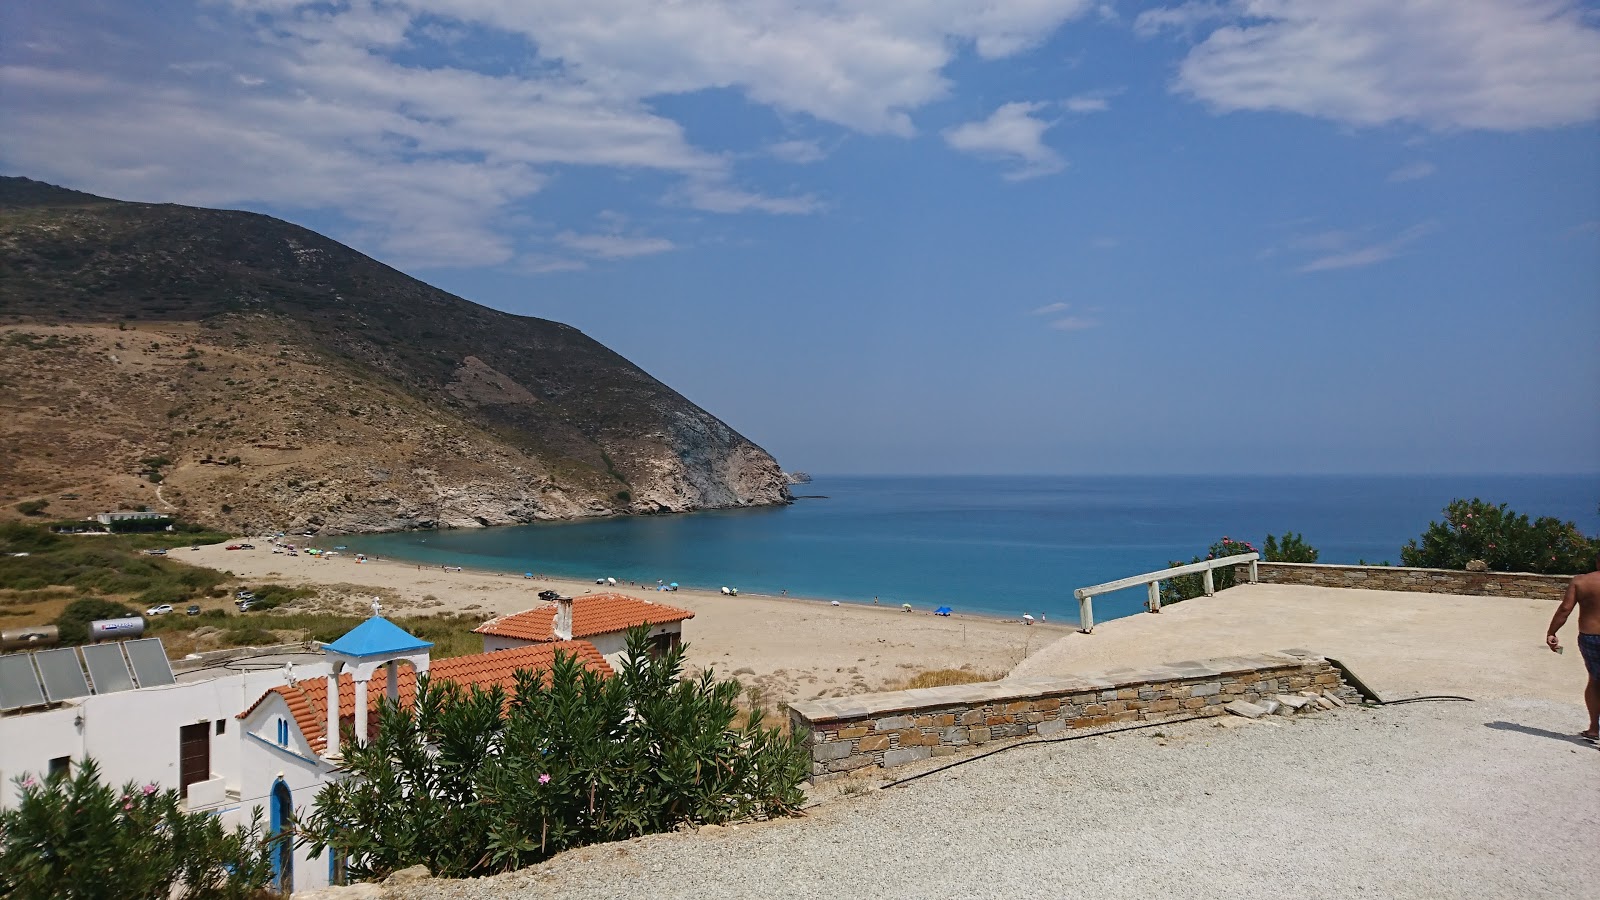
127,805
544,779
29,782
150,788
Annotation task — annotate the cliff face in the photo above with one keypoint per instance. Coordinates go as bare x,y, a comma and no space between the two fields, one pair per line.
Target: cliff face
271,376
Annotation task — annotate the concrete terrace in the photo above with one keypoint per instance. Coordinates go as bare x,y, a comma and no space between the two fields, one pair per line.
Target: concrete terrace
1399,643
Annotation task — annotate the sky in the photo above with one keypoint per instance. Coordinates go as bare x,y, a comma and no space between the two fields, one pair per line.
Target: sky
926,236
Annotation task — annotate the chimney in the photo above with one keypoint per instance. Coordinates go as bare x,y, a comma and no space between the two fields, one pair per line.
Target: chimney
563,623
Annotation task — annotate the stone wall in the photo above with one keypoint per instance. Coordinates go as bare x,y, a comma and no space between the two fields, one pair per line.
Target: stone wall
899,727
1398,578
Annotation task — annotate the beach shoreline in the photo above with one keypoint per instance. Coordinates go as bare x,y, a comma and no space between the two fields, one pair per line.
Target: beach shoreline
783,648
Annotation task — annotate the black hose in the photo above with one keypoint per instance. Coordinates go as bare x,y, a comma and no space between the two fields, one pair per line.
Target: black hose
1425,698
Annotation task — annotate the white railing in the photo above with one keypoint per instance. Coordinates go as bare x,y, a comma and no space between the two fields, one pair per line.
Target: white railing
1086,595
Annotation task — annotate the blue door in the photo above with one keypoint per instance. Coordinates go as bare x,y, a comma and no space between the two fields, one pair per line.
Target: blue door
283,838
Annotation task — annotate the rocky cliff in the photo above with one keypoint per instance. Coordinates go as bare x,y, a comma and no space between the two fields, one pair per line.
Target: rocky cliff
248,373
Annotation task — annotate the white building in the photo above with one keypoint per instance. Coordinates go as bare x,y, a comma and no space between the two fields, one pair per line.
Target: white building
601,619
235,742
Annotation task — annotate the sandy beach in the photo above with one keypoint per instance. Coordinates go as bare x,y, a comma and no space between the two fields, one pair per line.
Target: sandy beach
788,648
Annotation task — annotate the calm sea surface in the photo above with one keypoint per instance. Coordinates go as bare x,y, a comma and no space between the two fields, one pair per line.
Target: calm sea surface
997,545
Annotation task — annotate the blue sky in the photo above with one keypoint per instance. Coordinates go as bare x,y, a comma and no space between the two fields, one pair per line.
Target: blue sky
1013,236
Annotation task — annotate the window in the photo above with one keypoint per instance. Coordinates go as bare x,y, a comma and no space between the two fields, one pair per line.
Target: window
222,726
61,765
283,732
662,644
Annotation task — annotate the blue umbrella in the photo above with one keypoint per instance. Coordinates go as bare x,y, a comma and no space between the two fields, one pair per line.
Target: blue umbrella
942,611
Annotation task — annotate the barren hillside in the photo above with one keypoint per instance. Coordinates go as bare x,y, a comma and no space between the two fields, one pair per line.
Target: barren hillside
270,376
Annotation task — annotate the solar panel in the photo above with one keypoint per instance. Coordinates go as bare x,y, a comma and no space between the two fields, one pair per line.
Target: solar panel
19,684
107,668
62,673
149,661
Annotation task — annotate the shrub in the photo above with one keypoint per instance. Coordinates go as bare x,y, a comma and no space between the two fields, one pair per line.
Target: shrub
73,837
1505,540
473,783
74,620
1293,549
32,507
1184,587
250,636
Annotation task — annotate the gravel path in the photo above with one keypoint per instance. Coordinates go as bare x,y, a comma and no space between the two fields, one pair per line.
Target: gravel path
1428,800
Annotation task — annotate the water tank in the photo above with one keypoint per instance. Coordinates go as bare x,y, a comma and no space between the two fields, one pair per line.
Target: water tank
30,636
116,629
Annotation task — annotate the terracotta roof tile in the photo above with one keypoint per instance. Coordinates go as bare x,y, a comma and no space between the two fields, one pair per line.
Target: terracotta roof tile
592,616
308,697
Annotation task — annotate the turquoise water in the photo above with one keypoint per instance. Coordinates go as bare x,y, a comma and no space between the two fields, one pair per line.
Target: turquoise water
998,545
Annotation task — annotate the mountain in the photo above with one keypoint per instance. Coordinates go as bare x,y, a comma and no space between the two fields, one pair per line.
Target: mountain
266,375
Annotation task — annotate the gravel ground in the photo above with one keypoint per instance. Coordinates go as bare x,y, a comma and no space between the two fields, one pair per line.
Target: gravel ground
1427,800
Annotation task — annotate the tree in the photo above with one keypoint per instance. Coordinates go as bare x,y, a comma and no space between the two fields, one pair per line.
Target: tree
1186,587
1506,541
32,507
72,837
1293,549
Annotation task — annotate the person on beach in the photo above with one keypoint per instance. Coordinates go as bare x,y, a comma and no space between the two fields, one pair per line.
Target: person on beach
1583,592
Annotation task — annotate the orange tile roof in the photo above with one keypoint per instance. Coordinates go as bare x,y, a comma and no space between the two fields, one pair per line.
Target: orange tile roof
308,697
592,615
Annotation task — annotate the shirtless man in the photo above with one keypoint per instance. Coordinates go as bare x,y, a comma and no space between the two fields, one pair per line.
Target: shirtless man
1584,593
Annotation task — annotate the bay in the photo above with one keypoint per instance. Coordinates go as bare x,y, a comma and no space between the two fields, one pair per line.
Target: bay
988,545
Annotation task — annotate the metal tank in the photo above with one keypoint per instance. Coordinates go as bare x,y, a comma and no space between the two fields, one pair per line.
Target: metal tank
29,636
116,629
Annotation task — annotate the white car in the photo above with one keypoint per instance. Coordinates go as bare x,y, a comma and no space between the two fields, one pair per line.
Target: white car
161,610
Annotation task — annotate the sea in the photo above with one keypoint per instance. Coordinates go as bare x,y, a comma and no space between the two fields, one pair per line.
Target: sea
1000,546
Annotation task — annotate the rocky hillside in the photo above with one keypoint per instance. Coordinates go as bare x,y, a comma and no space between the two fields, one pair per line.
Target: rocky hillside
246,372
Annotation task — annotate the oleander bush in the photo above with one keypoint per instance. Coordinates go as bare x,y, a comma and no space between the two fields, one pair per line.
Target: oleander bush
72,837
1507,541
470,783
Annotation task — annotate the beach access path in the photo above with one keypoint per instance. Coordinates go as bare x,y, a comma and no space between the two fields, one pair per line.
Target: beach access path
1400,643
787,648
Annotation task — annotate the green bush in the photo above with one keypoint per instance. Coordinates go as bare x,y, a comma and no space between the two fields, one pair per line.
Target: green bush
1185,587
74,620
32,507
1505,540
250,636
1293,549
73,837
471,783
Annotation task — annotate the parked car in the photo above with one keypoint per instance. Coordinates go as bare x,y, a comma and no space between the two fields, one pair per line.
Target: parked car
244,605
247,546
549,596
234,547
246,594
193,610
161,610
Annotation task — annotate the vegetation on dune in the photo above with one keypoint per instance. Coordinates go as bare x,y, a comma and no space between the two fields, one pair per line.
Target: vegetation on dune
72,836
475,783
929,678
1504,540
98,566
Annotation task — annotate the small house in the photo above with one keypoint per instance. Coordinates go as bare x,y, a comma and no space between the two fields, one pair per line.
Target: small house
601,619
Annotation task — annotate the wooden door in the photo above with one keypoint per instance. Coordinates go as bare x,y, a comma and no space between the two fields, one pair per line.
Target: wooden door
194,755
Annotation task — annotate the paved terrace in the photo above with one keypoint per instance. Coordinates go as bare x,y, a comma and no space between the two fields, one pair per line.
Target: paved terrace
1400,643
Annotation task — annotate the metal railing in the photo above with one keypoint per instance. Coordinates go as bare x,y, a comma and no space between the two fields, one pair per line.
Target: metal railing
1086,595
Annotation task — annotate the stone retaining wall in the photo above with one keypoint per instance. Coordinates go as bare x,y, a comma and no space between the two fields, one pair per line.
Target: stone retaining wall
899,727
1399,578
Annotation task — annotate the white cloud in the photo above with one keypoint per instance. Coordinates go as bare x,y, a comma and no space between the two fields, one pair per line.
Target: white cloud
613,246
1340,250
387,113
1413,172
1502,65
1059,322
1184,18
1011,133
1087,103
797,151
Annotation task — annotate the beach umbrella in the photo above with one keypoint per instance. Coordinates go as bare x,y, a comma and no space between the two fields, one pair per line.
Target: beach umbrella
906,607
673,585
942,611
835,603
527,574
1027,617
